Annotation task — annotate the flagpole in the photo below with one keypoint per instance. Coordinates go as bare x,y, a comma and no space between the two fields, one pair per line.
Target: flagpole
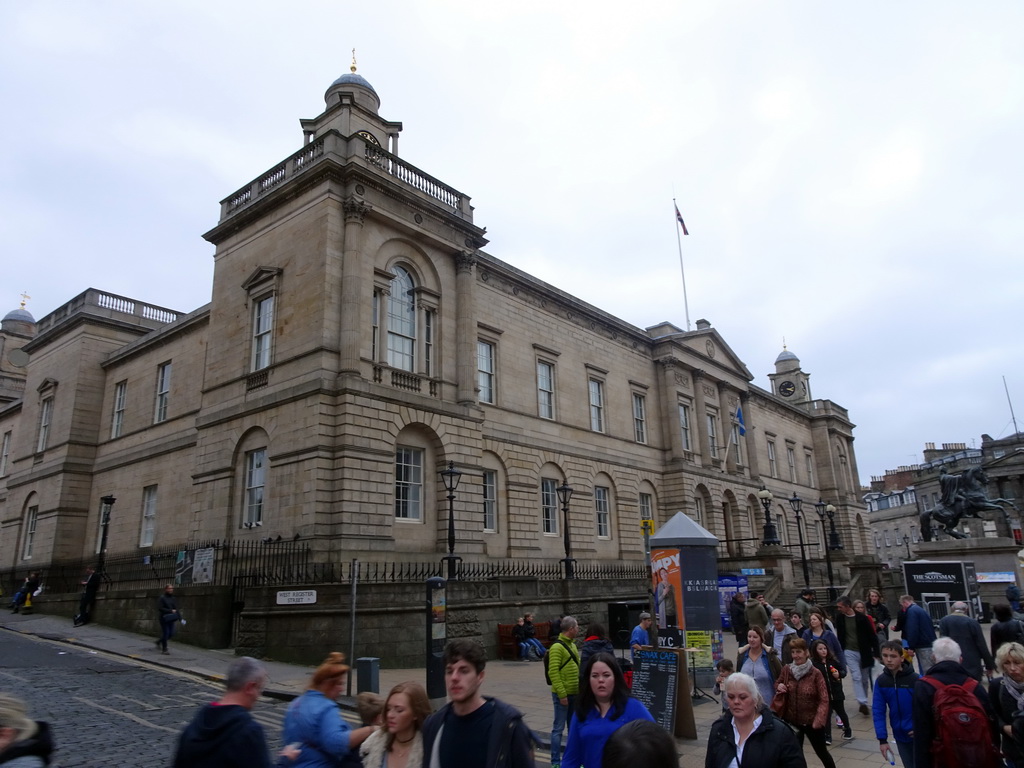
679,242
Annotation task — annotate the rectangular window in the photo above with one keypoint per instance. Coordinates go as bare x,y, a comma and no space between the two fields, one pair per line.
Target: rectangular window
545,390
490,484
428,343
31,519
45,414
712,419
408,484
646,506
148,516
548,505
734,438
639,418
163,392
596,388
772,464
120,394
601,507
791,460
255,481
485,371
698,510
262,332
888,542
913,534
375,328
684,426
4,453
809,463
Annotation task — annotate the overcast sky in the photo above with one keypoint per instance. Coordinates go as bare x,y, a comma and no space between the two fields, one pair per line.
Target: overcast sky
850,174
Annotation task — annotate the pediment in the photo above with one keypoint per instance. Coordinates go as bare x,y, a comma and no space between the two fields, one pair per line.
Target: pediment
260,276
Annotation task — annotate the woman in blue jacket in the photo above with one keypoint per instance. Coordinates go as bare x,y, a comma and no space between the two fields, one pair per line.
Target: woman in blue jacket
313,722
602,706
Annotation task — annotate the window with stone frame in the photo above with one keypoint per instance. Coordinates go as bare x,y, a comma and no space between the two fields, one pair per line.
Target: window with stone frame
262,332
712,422
595,387
485,370
148,527
409,484
548,505
163,392
31,521
646,506
5,452
639,418
602,510
45,417
255,487
791,462
809,464
684,426
545,389
120,400
489,481
773,467
401,321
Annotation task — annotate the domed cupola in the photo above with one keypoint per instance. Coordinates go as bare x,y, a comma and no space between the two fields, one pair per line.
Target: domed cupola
358,86
789,381
19,322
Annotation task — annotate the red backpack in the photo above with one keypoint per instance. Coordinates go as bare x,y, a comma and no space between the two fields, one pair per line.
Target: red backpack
963,736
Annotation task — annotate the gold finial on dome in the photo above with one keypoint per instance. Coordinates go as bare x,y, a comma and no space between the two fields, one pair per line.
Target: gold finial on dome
353,67
783,342
24,297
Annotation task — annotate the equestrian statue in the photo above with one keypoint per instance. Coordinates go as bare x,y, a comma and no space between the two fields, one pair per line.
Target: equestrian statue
963,495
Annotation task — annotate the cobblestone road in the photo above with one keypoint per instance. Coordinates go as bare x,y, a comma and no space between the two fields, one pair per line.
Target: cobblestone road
109,712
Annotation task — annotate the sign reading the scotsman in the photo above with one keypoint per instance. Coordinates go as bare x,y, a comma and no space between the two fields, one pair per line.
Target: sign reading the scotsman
942,582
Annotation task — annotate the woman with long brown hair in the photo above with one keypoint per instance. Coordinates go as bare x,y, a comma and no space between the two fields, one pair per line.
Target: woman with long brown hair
313,725
760,662
399,743
801,699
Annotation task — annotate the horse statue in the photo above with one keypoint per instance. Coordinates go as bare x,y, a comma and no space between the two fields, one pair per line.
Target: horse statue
962,496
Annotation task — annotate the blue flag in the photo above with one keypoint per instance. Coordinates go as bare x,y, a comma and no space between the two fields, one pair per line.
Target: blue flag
739,419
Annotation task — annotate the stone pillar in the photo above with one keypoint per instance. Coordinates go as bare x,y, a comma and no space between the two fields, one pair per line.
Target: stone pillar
748,439
352,285
669,371
465,324
701,415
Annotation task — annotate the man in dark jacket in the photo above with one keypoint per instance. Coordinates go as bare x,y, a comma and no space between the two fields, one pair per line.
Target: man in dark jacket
224,734
918,633
167,608
90,586
780,635
967,633
948,671
738,617
894,689
472,729
860,647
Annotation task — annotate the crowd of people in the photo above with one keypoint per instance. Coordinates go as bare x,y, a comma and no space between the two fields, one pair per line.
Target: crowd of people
785,688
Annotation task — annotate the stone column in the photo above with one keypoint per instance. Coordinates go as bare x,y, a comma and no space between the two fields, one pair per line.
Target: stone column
352,285
701,416
749,442
669,371
465,325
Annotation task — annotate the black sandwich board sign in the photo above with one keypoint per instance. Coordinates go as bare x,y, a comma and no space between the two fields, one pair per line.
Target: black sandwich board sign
936,584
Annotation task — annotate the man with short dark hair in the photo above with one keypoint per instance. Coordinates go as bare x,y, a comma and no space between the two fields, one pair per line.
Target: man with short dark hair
860,647
805,605
640,637
472,730
967,634
224,734
564,672
738,617
779,636
757,614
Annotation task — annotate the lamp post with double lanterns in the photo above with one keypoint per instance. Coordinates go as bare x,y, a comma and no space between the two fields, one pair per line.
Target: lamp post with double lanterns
906,543
451,477
771,533
828,510
796,503
564,492
106,505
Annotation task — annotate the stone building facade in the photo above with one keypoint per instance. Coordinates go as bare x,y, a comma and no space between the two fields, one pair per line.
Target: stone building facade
359,339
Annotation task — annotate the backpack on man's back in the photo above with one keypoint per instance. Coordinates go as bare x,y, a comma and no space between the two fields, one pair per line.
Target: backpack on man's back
546,660
963,736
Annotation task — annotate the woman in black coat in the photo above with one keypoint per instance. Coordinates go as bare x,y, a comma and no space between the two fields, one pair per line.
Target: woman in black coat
771,744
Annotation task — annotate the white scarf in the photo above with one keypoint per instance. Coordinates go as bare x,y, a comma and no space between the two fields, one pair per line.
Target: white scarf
799,670
1016,690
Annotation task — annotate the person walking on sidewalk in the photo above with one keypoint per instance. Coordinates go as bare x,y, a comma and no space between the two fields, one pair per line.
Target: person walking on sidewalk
918,633
564,673
472,729
967,634
894,689
224,734
167,607
860,646
90,586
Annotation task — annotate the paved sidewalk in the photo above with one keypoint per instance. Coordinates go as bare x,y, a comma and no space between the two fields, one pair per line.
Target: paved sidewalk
521,684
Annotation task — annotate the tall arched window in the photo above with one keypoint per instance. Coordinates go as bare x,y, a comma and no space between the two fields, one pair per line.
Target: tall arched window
402,321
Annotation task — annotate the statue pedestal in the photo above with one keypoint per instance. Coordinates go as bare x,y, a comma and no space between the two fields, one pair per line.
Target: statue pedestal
780,560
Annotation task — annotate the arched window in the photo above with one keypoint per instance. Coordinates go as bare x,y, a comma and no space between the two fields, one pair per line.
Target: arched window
402,321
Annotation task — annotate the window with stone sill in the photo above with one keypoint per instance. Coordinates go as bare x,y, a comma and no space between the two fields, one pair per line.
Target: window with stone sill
549,505
409,484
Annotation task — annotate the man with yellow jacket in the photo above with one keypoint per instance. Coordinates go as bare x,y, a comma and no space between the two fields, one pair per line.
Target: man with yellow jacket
563,662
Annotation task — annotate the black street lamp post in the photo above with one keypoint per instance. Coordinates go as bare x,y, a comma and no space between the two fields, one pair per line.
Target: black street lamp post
771,534
451,477
106,505
797,504
906,542
827,510
564,492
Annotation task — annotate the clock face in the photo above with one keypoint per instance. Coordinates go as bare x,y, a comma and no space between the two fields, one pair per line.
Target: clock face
369,137
787,388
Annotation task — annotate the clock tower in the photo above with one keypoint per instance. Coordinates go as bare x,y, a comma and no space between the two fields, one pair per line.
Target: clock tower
789,382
